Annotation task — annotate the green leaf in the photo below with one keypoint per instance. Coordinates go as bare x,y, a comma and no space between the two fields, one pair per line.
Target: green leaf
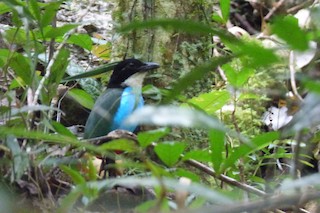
237,76
76,176
217,18
257,143
253,55
59,128
82,97
199,155
119,145
188,174
195,74
16,35
92,172
82,40
169,152
147,137
35,9
211,101
49,13
20,10
59,67
96,71
217,144
46,137
4,54
22,67
51,32
174,116
310,84
4,8
287,28
225,9
20,157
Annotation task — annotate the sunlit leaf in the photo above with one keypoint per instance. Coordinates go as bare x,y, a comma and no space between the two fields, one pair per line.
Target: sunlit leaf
119,145
287,28
82,40
253,55
4,8
211,101
102,51
237,76
225,9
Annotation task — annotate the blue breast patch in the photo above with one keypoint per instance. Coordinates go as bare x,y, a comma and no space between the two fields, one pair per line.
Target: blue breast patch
130,101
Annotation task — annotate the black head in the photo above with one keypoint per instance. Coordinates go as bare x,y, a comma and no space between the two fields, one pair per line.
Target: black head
126,68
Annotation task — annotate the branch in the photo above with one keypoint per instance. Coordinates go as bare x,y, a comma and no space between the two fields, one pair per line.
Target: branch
225,178
280,201
292,76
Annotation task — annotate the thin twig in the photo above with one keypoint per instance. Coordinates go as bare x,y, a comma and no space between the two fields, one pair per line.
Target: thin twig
295,8
225,178
273,10
292,76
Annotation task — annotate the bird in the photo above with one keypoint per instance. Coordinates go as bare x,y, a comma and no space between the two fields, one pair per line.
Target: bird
121,98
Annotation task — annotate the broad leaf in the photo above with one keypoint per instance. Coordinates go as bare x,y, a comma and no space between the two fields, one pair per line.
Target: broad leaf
243,150
22,67
287,28
199,155
225,9
119,145
82,40
211,101
217,145
147,137
169,152
82,97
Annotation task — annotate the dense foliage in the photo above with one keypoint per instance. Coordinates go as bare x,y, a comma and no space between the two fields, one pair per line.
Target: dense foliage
253,134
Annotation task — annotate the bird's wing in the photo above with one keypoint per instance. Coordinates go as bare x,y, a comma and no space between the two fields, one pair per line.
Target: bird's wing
100,120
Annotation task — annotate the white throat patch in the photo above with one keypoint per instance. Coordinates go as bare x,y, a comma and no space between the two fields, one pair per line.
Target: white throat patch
135,80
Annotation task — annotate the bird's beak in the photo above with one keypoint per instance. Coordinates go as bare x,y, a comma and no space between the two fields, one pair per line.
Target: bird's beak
149,66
